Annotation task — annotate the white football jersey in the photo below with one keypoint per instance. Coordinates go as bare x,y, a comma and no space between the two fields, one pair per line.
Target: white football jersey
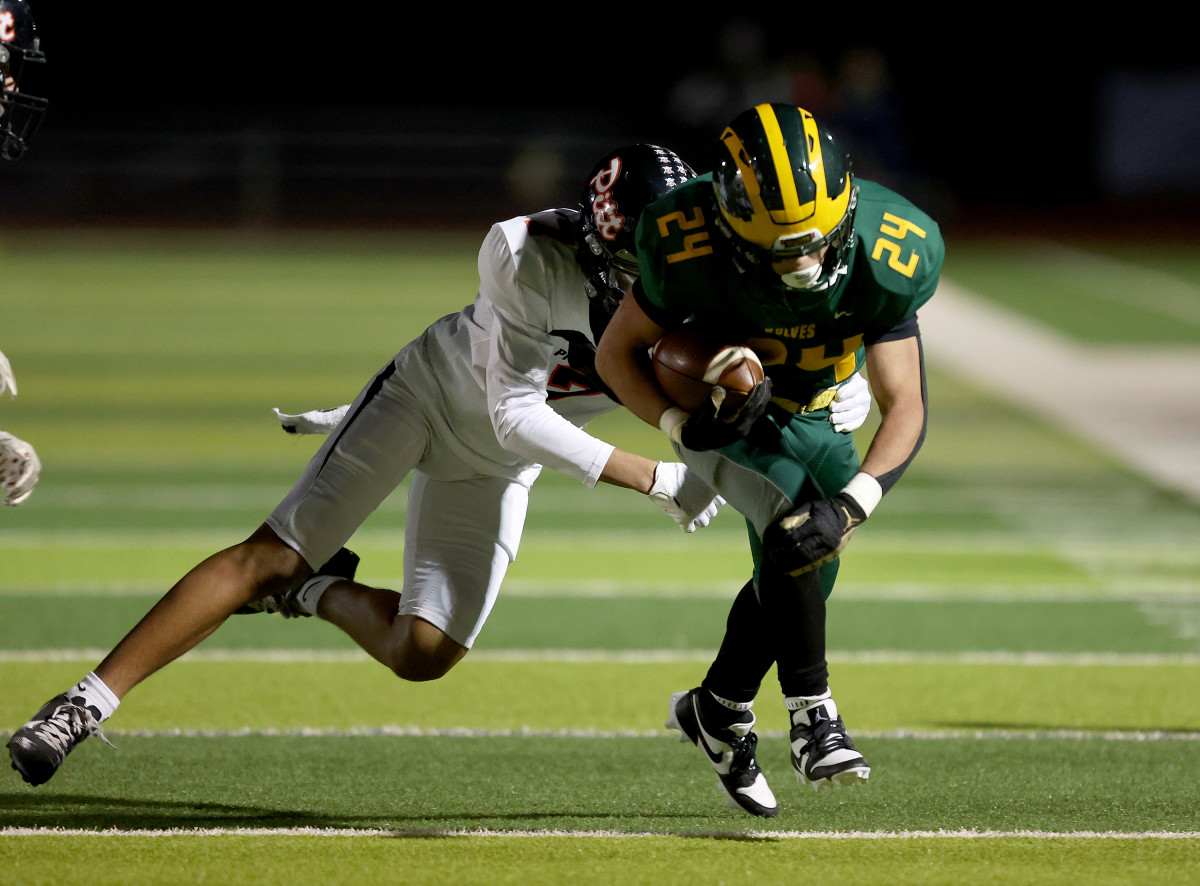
510,398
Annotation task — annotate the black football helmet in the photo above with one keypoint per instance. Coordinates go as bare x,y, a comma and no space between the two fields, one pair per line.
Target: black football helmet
20,110
619,187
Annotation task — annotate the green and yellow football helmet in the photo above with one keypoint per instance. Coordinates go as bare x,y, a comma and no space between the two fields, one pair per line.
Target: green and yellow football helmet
784,188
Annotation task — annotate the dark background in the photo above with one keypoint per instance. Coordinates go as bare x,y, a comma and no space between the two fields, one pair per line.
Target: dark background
216,115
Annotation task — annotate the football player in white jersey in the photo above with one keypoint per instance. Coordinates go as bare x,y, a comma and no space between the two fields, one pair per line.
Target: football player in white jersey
472,409
20,115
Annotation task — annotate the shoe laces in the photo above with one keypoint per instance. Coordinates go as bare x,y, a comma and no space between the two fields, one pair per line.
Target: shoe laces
743,747
67,726
825,735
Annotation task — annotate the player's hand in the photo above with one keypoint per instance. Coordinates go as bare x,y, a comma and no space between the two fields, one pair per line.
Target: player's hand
8,381
19,469
316,421
817,532
690,501
851,406
707,428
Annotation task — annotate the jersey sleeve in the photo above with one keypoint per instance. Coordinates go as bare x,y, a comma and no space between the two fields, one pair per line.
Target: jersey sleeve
662,239
521,356
903,251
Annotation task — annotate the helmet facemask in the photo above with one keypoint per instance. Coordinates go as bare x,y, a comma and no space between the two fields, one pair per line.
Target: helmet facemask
608,274
21,111
836,245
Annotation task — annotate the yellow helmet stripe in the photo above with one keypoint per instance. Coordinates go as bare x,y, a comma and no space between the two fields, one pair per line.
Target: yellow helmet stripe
784,173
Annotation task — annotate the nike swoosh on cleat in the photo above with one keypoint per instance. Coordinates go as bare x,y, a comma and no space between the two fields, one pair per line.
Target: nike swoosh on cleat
715,756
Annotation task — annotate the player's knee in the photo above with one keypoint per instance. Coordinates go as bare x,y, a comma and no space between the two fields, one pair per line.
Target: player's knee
422,652
265,562
421,668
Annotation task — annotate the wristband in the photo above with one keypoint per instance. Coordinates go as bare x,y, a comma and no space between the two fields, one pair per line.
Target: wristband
865,490
671,423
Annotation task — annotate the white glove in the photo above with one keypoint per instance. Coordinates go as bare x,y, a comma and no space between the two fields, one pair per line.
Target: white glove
689,500
317,421
8,381
851,406
19,469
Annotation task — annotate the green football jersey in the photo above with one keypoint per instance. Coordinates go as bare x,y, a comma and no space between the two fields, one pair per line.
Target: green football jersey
807,342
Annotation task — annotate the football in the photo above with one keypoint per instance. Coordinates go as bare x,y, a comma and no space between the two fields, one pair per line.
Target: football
689,361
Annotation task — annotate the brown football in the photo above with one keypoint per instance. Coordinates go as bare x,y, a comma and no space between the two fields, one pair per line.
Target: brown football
689,361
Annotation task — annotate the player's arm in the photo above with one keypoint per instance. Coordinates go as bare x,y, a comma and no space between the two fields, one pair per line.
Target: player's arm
623,361
897,378
519,362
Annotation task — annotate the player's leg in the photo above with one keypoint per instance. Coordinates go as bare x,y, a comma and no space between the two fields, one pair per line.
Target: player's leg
793,615
717,716
460,537
199,603
411,647
274,560
781,618
196,606
460,534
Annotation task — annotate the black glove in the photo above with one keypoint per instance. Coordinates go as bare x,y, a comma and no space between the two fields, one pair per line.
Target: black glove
707,428
812,534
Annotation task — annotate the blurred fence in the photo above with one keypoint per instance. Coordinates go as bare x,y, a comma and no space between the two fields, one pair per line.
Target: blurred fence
432,167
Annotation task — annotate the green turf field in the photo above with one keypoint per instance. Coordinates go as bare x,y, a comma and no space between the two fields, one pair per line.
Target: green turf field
1015,638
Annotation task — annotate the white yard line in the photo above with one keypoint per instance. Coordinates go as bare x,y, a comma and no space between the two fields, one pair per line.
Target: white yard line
748,833
1138,404
641,656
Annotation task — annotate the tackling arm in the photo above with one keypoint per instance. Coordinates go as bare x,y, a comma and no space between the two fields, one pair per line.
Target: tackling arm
525,423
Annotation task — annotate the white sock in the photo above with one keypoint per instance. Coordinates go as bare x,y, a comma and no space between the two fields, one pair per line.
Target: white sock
798,704
91,693
310,593
739,706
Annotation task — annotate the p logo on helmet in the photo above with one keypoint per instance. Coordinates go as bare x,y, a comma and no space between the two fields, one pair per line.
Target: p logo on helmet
620,185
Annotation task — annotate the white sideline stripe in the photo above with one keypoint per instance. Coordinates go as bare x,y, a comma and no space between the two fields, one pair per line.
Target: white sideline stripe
644,656
966,834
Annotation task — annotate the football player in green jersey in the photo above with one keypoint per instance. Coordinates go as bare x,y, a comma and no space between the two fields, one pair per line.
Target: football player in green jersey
781,247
